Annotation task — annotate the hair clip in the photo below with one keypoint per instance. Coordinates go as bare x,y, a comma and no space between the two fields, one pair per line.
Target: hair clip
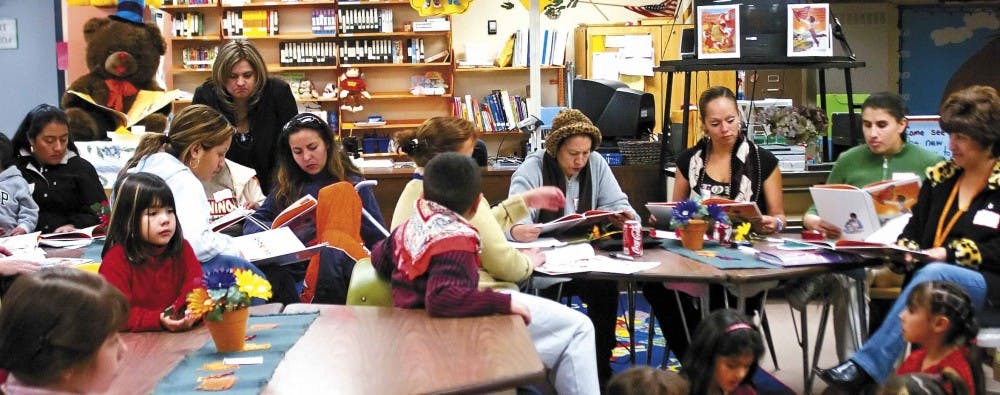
737,326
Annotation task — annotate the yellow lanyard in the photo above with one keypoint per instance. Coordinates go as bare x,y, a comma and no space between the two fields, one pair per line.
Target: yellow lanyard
941,234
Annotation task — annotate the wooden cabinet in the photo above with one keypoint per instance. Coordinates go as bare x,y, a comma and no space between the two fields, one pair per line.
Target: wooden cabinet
666,41
388,78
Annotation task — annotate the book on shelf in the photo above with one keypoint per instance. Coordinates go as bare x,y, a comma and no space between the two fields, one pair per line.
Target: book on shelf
577,221
146,103
275,247
859,212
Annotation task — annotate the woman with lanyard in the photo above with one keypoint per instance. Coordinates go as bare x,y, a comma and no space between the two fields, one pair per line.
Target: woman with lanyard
258,106
726,164
954,224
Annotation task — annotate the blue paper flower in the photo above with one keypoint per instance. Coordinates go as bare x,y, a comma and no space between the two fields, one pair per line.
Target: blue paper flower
219,279
716,213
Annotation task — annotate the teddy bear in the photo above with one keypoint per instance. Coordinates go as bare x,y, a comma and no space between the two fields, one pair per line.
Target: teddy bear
123,54
352,89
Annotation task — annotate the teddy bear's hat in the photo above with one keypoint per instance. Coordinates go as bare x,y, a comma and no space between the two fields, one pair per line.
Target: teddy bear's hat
130,11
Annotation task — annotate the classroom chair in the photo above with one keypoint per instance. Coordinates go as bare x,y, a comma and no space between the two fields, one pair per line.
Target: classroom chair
367,288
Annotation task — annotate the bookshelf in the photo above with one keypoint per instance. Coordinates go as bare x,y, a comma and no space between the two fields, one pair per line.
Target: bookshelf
377,37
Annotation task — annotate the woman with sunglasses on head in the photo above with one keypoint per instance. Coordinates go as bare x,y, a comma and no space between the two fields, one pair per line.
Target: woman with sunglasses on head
309,159
257,105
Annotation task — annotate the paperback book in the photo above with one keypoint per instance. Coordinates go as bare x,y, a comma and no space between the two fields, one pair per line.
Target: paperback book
861,211
577,221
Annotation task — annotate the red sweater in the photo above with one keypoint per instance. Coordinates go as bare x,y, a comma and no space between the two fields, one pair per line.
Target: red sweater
449,287
152,286
956,360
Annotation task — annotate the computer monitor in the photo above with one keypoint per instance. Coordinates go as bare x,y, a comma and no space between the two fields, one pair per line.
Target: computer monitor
763,26
618,111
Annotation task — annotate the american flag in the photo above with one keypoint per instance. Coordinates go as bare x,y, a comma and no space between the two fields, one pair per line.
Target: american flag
667,9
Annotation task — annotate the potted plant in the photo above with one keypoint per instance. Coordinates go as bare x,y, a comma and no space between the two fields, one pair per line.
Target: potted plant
692,220
802,125
223,300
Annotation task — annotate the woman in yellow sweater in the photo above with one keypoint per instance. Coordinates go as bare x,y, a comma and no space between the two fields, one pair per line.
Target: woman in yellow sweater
502,265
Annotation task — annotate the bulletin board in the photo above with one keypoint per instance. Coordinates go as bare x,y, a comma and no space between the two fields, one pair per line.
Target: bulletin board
945,46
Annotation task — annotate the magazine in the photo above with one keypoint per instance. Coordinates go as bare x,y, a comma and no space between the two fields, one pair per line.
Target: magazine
577,221
275,247
809,30
146,103
718,31
861,211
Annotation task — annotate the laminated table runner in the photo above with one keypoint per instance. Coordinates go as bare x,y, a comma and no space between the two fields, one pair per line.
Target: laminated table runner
718,256
281,331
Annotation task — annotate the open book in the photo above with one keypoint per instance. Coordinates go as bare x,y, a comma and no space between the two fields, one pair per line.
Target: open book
146,102
234,217
801,253
91,232
295,213
275,247
576,221
746,211
859,212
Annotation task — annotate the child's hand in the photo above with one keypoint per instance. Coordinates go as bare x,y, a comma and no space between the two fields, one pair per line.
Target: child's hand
65,228
178,325
521,310
16,231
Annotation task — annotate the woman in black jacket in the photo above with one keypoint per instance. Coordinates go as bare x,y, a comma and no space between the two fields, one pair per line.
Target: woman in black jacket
256,104
65,186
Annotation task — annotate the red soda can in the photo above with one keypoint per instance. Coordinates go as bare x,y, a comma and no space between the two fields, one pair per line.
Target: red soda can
632,238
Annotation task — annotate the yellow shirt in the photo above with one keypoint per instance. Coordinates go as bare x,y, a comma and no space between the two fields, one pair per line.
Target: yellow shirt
503,266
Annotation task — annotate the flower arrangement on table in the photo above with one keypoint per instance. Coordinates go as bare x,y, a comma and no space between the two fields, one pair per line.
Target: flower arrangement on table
225,291
797,124
691,220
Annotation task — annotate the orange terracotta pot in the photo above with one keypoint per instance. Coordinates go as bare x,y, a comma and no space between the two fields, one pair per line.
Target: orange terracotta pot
229,334
693,234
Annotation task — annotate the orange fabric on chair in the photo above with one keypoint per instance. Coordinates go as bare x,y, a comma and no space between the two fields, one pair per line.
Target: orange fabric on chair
338,223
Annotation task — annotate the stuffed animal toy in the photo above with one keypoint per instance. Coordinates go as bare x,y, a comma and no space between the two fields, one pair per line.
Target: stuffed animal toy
352,89
123,54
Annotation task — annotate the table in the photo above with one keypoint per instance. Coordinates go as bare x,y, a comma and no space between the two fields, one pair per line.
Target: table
361,349
677,268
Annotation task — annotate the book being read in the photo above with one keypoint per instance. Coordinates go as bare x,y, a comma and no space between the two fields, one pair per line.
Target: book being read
859,212
298,216
146,103
736,211
275,247
577,221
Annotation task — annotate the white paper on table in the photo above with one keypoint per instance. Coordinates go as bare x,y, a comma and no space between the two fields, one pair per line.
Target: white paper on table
541,242
257,360
605,65
605,264
568,259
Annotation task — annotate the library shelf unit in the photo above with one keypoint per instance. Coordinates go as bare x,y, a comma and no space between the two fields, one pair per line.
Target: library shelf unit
388,82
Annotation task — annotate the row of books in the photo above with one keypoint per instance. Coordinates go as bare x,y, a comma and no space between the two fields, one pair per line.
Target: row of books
383,51
187,24
553,47
323,22
498,111
319,53
370,20
200,57
250,23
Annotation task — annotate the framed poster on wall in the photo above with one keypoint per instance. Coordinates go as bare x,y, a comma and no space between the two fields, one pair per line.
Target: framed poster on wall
718,31
809,30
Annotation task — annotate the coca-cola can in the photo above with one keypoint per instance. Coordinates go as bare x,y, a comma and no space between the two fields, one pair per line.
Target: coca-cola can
632,238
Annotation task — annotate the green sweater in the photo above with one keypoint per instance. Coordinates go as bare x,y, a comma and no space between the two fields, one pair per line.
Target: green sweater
859,166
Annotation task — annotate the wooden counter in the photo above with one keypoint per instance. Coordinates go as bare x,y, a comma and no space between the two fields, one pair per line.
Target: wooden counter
638,182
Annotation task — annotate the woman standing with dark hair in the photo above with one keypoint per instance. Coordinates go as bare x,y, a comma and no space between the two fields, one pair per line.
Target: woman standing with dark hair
64,185
257,105
954,222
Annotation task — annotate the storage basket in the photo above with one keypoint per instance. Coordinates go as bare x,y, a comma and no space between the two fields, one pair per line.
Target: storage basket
640,152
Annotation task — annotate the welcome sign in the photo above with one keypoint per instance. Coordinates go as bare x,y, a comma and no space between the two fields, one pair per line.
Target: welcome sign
925,132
